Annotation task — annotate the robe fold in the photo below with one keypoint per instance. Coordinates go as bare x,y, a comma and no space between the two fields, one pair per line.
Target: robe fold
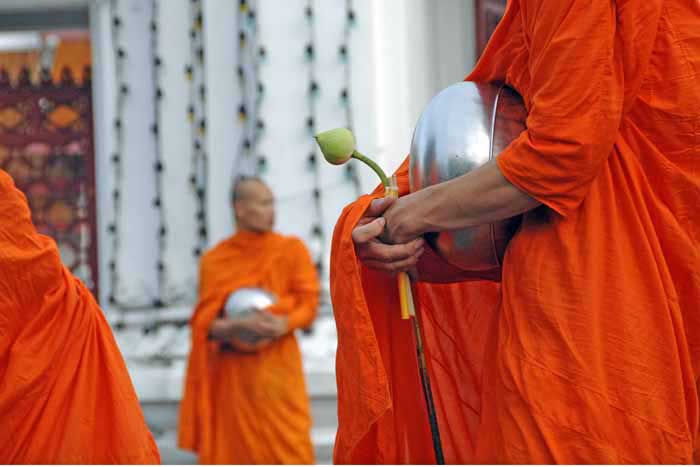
241,408
589,351
65,394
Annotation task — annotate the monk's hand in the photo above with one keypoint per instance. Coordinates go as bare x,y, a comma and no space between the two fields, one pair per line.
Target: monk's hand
223,329
376,254
404,219
271,325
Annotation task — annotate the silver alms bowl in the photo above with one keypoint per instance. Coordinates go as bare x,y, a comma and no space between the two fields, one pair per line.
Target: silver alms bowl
241,303
462,128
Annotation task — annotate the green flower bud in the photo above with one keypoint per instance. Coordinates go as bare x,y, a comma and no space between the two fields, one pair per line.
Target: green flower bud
337,145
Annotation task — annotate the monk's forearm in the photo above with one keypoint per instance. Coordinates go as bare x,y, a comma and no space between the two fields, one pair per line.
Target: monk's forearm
479,197
301,317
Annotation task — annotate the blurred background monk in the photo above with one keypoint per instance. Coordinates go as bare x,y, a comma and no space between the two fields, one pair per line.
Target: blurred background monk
65,393
247,403
590,350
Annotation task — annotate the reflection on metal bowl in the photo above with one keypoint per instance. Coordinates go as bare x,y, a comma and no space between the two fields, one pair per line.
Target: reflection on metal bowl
241,303
462,128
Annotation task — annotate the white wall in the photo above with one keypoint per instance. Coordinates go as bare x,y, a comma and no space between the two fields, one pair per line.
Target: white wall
403,52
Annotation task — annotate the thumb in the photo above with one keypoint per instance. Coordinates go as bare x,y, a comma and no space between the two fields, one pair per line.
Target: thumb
367,232
378,206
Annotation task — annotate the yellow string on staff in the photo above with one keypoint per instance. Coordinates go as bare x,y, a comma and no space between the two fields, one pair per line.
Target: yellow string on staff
405,293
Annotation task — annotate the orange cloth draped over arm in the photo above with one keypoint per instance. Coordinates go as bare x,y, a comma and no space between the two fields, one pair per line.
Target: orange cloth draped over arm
250,408
592,353
381,408
65,393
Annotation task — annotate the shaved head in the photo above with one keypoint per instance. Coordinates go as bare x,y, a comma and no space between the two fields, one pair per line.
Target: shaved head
244,187
253,204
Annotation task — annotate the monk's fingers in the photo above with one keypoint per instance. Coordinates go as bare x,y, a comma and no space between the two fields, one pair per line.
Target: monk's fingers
378,251
394,267
378,206
365,220
364,233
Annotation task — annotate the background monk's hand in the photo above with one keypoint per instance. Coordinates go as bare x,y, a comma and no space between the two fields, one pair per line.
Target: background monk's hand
271,325
378,255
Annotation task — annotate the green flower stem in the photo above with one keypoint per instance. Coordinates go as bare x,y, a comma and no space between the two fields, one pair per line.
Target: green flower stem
373,165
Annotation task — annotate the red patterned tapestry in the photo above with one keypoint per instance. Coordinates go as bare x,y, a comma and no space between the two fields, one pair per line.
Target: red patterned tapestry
46,144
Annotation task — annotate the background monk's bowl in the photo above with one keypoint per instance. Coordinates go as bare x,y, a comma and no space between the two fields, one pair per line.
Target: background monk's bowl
462,128
241,303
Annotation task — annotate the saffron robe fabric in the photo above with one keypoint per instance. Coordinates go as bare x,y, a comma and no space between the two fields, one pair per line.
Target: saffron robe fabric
589,350
65,394
250,408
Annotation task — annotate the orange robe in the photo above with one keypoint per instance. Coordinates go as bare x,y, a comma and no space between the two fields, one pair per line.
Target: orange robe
65,393
590,353
250,408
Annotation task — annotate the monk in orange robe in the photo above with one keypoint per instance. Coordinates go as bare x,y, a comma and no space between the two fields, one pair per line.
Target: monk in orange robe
590,350
65,393
247,403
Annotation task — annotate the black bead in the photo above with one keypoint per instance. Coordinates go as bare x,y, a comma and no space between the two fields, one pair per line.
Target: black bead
117,21
154,128
121,53
351,15
317,231
317,193
115,195
344,94
313,87
193,180
343,50
159,93
202,231
261,88
312,159
112,300
190,110
242,111
118,124
239,70
241,36
163,231
260,125
202,124
319,266
251,15
200,193
116,158
154,26
160,266
309,50
156,202
262,52
200,53
310,122
157,303
112,228
158,166
112,266
124,89
197,145
189,69
197,252
202,91
193,33
309,12
246,144
157,61
200,215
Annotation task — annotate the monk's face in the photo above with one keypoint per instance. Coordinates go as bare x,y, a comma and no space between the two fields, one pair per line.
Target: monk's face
255,208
